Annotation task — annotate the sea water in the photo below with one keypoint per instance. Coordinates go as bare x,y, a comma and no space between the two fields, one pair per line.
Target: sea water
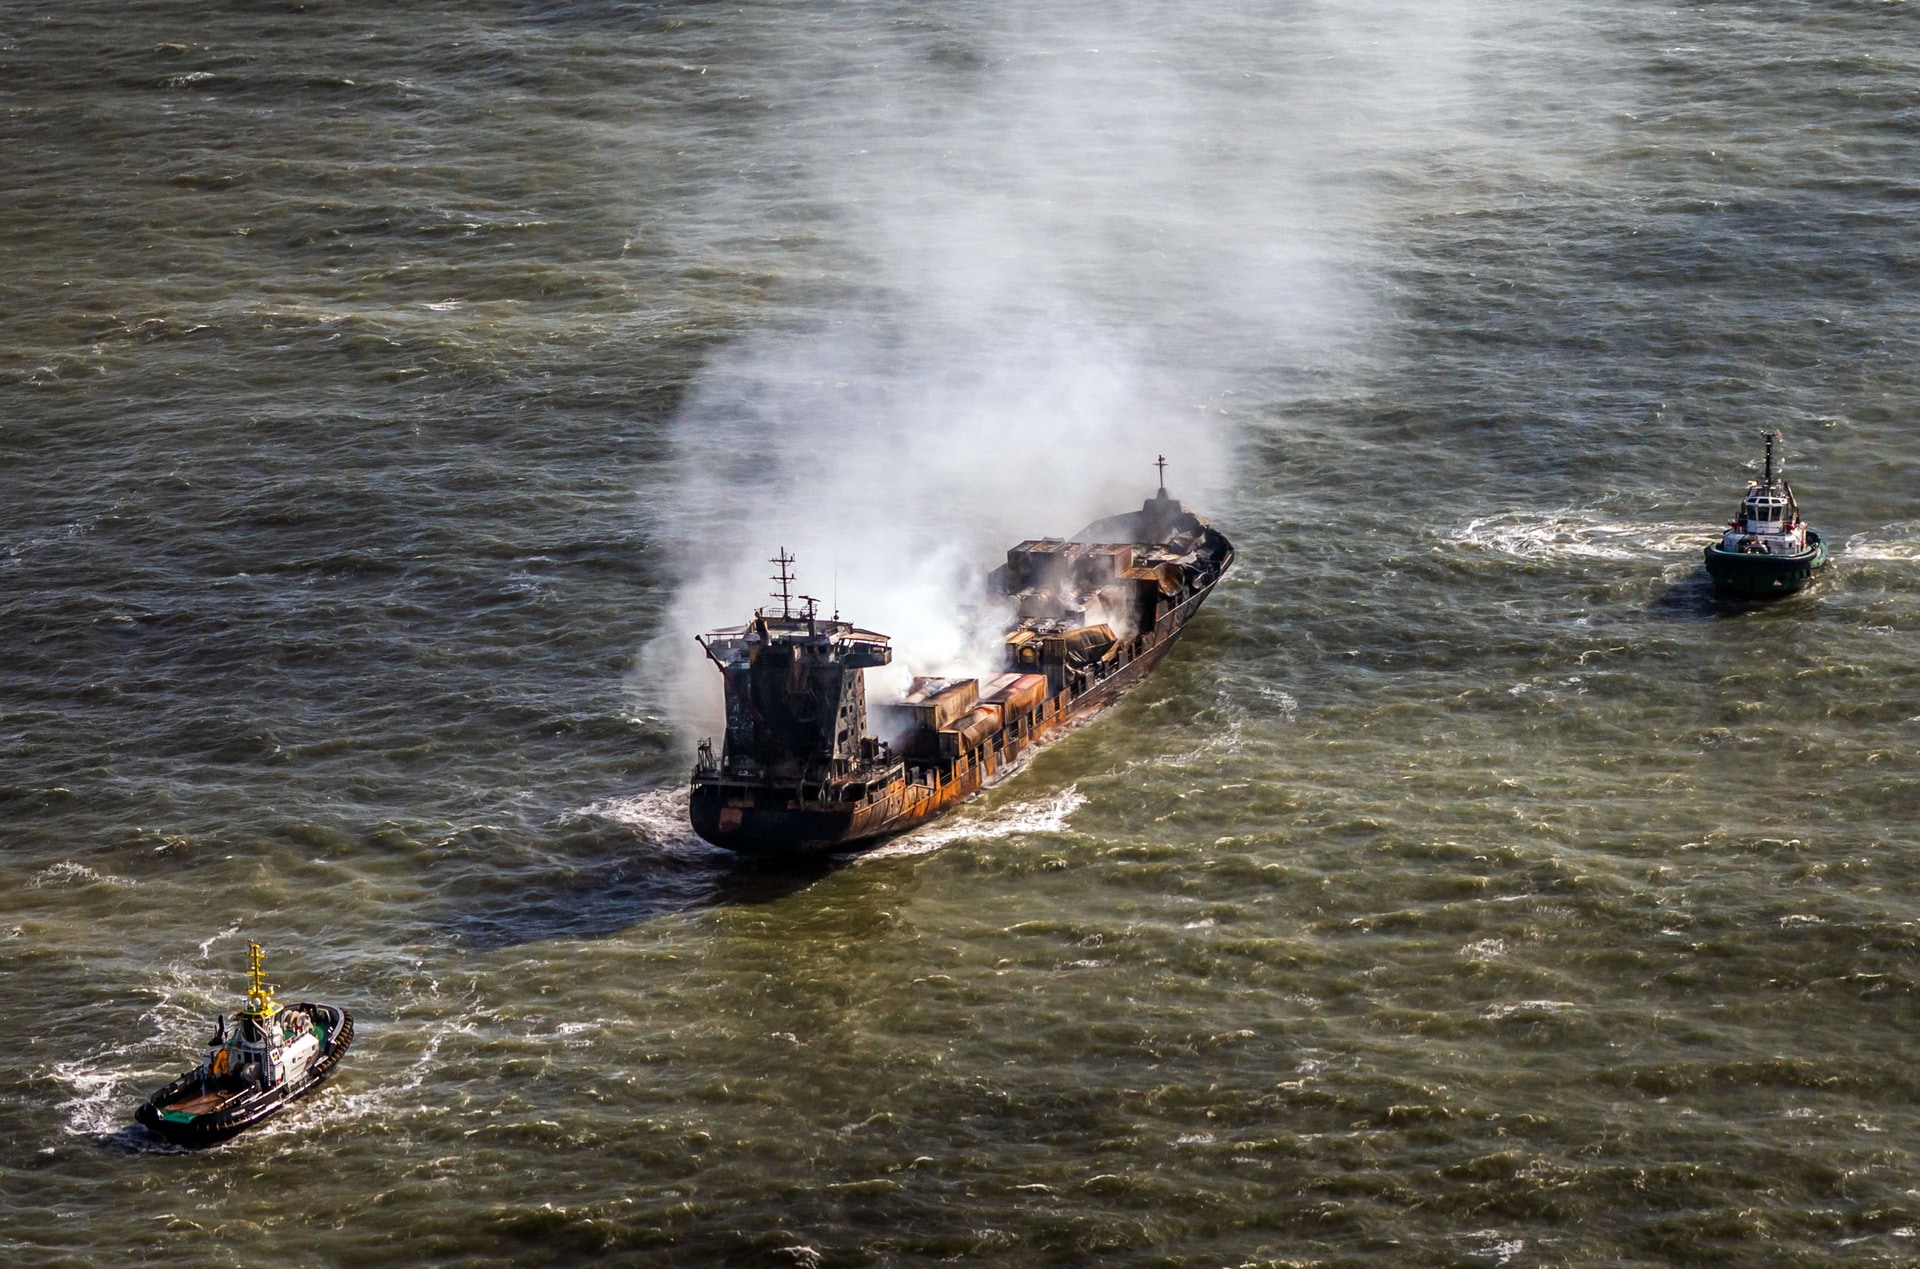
388,394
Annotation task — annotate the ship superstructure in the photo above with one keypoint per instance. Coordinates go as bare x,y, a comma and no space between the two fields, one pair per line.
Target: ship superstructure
803,769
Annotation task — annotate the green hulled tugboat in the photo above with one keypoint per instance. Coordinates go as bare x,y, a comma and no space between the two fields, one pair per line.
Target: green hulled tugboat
1767,549
271,1056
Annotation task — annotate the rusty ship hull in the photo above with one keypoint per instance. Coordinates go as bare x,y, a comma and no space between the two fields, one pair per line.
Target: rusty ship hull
802,774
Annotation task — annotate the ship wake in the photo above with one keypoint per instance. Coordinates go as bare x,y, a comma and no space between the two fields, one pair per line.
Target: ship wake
1578,535
1893,543
1040,816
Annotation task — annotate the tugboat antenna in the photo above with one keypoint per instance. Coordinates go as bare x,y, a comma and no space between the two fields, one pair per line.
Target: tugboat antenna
1160,463
1771,438
785,578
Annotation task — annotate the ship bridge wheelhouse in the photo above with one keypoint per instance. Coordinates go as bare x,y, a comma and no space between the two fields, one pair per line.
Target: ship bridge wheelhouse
1766,511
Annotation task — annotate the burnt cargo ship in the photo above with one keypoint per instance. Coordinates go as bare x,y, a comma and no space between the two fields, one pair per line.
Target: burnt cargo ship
802,772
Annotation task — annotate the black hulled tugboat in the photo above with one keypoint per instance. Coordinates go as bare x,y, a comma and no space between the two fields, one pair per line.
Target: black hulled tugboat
270,1057
799,773
1767,549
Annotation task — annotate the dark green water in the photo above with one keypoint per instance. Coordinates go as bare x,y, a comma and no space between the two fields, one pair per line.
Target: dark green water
388,393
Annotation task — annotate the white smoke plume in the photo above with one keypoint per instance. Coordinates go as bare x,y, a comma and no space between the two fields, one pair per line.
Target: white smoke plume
1029,247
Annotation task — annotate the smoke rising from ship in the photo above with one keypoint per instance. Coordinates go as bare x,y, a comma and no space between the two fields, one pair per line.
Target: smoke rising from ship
1068,251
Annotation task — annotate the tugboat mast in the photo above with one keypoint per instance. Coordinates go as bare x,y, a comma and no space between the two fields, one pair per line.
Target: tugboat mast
1771,438
259,994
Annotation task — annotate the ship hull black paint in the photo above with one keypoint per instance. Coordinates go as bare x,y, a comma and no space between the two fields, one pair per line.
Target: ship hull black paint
767,830
1753,576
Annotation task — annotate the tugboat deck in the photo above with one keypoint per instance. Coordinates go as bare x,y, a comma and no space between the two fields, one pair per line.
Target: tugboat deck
199,1104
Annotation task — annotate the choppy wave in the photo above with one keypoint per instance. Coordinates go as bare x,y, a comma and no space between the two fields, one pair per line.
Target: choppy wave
342,489
369,1095
68,873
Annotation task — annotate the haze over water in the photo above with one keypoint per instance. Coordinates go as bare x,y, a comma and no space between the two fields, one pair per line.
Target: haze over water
389,393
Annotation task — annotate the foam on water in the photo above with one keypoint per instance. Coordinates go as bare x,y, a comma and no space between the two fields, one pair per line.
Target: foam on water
363,1092
1574,534
660,814
68,873
1896,543
1042,816
105,1086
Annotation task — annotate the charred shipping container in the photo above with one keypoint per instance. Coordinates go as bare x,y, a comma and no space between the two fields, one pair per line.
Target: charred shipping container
802,770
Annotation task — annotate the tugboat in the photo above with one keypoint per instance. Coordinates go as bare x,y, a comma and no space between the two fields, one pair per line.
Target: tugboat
800,774
270,1057
1767,549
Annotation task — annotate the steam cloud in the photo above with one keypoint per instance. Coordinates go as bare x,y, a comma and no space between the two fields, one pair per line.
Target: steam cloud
1033,246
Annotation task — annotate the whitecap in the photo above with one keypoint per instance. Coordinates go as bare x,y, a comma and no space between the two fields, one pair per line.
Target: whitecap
206,947
1528,1006
68,873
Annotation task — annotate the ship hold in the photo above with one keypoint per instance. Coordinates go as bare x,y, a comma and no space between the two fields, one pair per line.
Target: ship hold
803,770
270,1057
1766,550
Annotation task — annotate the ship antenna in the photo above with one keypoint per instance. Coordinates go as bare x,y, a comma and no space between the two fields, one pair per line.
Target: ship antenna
1160,462
1771,438
259,994
785,578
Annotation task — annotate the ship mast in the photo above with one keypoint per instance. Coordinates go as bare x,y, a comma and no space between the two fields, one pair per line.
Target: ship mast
785,578
1771,438
259,994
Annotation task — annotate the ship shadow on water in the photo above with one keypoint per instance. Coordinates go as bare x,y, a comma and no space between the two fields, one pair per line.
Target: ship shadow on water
611,897
1694,598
